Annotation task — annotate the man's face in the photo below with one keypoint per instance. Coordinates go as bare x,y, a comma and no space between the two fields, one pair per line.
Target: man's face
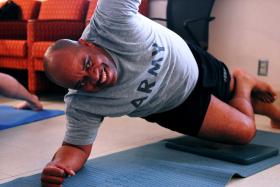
84,68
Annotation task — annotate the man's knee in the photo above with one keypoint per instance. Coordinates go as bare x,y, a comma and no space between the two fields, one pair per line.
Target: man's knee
247,131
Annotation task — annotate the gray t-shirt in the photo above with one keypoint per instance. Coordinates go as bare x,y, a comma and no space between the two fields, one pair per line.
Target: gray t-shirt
156,70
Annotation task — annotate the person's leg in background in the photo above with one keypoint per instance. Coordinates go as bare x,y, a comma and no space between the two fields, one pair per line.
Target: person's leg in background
10,87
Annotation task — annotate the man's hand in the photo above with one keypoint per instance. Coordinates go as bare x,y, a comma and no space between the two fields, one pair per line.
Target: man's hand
54,174
68,159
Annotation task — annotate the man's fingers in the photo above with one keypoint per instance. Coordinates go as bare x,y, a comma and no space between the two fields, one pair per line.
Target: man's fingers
53,171
52,180
51,185
66,170
53,175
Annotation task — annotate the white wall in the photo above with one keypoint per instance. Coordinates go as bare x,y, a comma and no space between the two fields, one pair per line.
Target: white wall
243,32
158,9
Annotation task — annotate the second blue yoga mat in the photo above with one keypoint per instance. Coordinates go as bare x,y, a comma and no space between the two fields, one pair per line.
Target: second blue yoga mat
12,117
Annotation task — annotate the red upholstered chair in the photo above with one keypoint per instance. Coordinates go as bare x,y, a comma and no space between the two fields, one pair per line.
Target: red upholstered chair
91,9
57,19
54,23
13,36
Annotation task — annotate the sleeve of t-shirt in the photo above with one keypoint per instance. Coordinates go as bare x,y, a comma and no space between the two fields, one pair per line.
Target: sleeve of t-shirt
117,26
118,8
81,126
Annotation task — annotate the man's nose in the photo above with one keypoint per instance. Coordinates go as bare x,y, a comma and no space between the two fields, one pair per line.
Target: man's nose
94,75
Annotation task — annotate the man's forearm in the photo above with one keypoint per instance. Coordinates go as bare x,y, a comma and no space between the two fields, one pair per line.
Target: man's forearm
72,157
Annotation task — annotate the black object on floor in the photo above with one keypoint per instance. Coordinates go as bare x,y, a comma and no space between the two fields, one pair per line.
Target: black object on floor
242,154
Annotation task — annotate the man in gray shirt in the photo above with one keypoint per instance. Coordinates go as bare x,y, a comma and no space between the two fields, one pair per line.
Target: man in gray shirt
126,64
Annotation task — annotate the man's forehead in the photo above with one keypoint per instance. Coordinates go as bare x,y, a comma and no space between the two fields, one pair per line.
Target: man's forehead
61,62
64,57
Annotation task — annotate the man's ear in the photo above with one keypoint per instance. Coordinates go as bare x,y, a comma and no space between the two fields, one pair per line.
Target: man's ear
85,43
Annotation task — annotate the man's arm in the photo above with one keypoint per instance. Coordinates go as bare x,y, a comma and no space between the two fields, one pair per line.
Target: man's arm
118,8
10,87
66,162
81,130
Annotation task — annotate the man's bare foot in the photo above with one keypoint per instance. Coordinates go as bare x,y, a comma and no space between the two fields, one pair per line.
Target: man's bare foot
275,124
258,89
263,91
244,84
267,109
261,95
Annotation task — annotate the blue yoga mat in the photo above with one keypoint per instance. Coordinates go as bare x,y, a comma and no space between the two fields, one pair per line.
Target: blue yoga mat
154,165
12,117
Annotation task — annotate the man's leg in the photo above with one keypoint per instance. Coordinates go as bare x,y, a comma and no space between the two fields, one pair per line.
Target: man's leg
233,122
262,99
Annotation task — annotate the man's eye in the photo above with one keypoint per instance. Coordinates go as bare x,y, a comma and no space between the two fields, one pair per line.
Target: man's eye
87,63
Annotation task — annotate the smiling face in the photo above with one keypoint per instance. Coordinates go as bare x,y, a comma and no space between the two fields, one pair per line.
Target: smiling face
82,66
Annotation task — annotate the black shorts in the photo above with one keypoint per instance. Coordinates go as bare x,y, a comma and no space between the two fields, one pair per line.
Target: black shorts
214,79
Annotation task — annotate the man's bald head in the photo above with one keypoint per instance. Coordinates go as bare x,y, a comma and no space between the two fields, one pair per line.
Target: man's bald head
57,58
79,65
62,46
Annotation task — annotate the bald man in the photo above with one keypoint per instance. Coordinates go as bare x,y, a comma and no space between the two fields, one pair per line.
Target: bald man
126,64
